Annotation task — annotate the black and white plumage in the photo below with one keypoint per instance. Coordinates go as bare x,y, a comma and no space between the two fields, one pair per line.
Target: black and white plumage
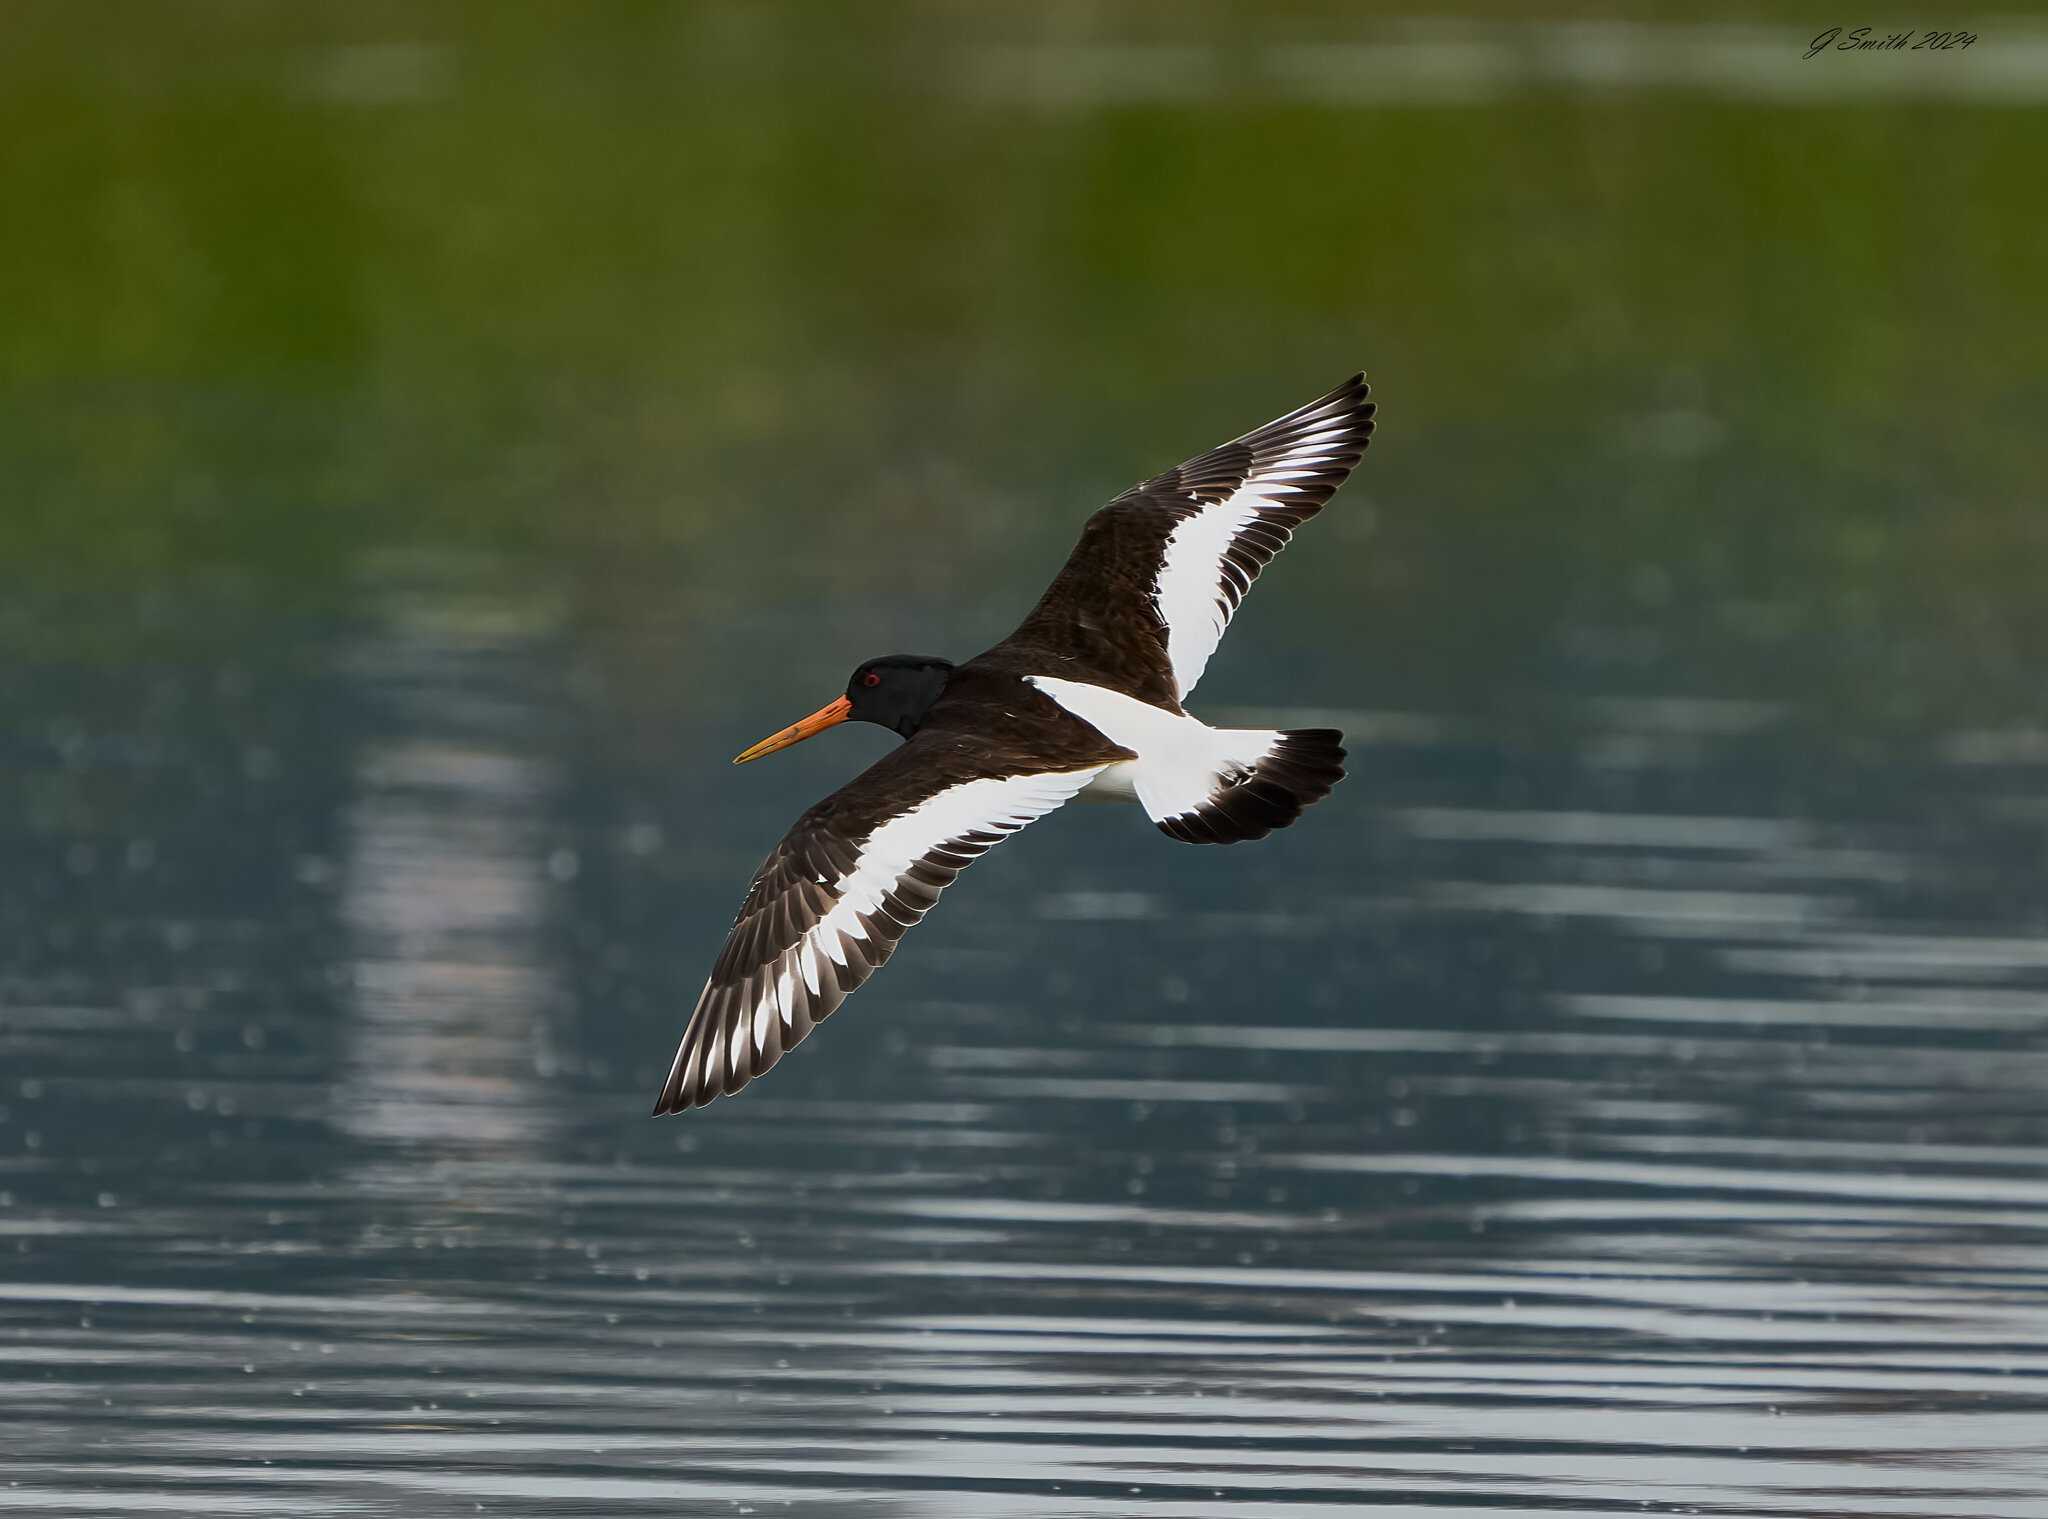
826,911
1159,572
1086,693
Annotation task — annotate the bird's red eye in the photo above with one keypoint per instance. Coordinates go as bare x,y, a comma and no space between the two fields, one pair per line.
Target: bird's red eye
871,679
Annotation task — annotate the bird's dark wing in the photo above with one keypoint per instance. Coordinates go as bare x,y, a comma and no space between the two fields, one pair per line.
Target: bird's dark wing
832,900
1146,594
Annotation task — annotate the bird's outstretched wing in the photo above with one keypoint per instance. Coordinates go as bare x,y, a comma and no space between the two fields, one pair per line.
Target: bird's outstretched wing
832,900
1143,600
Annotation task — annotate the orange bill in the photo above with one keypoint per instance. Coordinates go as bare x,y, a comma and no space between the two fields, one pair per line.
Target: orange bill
817,722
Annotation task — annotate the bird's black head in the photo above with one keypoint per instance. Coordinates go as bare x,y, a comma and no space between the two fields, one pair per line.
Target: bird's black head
895,691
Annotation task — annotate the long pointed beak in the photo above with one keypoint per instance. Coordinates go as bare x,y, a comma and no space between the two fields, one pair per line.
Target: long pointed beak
817,722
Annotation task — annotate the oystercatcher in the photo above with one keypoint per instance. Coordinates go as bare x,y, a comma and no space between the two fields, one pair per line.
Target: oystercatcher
1086,693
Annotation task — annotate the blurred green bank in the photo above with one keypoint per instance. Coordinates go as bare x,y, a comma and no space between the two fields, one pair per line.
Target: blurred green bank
700,304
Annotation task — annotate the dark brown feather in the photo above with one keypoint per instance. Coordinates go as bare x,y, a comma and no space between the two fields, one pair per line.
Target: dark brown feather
1098,621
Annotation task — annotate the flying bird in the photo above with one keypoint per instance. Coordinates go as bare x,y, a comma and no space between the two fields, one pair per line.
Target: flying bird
1086,693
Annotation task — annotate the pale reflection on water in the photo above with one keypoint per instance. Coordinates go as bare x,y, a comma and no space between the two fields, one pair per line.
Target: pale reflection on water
445,879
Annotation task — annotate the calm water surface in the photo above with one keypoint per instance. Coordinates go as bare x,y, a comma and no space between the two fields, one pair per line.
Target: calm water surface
1555,1127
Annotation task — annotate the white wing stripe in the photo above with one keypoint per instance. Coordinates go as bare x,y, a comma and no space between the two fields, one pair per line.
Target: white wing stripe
1191,592
996,806
1188,590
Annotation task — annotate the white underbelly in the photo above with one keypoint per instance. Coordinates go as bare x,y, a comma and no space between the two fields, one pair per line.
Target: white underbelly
1116,783
1181,761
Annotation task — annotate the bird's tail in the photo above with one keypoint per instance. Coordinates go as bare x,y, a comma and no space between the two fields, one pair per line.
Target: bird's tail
1262,781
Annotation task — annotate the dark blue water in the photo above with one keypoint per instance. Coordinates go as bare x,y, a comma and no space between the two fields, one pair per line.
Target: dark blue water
1640,1110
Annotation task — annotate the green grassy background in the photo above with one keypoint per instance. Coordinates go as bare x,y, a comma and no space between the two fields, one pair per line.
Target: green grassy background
697,308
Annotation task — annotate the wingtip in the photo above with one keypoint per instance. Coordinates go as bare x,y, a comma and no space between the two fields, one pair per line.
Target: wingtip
671,1089
675,1095
675,1104
1351,396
